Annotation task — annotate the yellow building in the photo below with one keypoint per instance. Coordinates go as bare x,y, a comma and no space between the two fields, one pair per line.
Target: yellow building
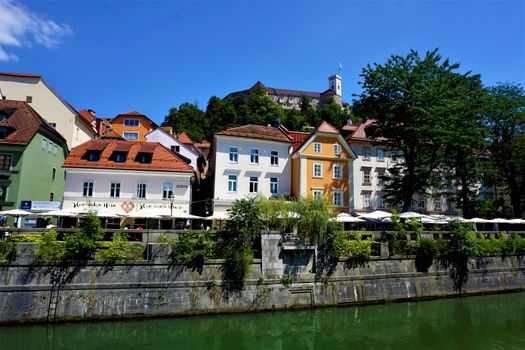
322,166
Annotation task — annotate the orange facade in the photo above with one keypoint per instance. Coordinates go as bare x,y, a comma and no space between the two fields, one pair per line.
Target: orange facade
322,167
132,127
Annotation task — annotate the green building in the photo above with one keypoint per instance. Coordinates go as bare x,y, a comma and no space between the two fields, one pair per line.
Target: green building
31,157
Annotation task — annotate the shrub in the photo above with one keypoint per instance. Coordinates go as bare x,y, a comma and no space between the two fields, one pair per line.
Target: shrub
8,251
83,244
192,247
25,238
426,251
120,249
353,248
237,263
50,248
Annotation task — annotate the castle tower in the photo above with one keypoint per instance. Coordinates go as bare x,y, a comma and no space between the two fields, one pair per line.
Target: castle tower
335,83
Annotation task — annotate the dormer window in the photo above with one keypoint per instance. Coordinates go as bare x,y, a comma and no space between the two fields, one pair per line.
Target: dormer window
92,156
118,157
4,132
131,122
6,113
144,158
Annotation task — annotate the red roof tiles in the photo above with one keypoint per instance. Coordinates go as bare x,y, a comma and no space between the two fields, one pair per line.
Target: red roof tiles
326,127
87,115
184,138
360,131
162,159
298,138
23,122
257,132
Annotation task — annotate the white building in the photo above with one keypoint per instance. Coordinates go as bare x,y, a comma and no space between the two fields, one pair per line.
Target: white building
58,113
127,177
250,160
169,141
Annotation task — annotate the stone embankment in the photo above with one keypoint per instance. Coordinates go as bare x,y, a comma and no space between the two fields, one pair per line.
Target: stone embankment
285,278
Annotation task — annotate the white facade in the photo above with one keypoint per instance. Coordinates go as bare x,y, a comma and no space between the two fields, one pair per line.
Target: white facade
251,178
49,105
335,83
104,195
168,141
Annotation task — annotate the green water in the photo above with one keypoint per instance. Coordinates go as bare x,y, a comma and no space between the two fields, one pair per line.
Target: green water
486,322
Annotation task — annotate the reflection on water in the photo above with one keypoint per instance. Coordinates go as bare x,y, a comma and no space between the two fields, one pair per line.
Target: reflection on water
488,322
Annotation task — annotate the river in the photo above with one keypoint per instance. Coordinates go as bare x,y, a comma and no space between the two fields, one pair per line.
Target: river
484,322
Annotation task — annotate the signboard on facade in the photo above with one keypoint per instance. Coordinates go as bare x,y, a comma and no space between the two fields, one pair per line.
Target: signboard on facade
39,205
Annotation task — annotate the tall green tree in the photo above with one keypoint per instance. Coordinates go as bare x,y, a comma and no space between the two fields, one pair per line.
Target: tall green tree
187,118
505,119
219,115
410,97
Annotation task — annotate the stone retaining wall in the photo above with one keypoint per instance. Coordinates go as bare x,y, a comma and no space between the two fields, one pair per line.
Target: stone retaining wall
94,290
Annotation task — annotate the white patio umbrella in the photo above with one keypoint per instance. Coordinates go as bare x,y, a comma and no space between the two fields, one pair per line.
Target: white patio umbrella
15,213
377,215
412,215
143,214
186,216
57,213
218,216
516,221
345,217
477,221
499,221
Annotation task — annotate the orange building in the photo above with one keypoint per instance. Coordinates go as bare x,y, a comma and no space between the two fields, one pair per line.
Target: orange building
322,165
132,126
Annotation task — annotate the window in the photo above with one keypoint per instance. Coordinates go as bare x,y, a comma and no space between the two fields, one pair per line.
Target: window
380,155
131,135
43,144
451,203
394,156
337,149
337,198
55,150
141,190
338,171
437,203
366,153
92,156
317,193
144,158
366,177
274,185
114,190
53,125
380,174
232,183
29,99
167,190
254,184
3,193
5,161
318,170
274,158
254,156
53,174
366,201
234,154
4,132
317,147
175,149
51,196
49,147
131,122
382,201
87,189
119,157
422,204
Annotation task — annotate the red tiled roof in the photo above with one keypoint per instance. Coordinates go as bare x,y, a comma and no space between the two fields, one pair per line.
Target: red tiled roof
360,131
257,132
135,114
24,122
326,127
162,159
203,144
131,113
298,138
111,135
21,75
87,115
184,138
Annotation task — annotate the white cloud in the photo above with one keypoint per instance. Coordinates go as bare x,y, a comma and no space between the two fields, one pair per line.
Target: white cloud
19,27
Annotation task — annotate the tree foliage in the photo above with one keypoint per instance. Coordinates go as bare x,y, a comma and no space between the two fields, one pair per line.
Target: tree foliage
83,244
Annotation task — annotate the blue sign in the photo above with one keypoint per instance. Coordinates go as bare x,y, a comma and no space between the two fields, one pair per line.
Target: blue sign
25,205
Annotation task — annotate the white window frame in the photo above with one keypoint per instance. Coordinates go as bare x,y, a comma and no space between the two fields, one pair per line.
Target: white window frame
167,189
119,187
381,201
320,176
137,188
367,197
367,153
340,167
274,158
274,185
317,147
43,144
337,149
127,122
341,200
126,135
233,155
88,195
317,193
232,183
366,173
254,156
436,206
380,153
253,185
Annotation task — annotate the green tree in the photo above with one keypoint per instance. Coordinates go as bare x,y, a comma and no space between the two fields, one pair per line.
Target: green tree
504,116
410,98
83,244
219,115
187,118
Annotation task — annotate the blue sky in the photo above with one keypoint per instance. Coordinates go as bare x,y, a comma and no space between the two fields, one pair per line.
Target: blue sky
116,56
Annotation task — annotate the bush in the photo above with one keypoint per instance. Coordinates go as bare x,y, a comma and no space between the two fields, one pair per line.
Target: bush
192,247
25,238
353,248
83,244
426,251
50,248
120,249
237,263
8,251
